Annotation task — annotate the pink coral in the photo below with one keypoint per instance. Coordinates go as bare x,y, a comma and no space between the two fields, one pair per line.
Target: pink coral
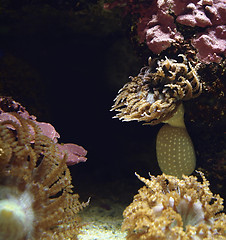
211,44
156,25
201,13
196,18
160,32
8,106
75,153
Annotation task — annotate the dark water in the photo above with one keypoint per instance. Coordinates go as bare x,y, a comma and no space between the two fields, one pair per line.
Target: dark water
79,69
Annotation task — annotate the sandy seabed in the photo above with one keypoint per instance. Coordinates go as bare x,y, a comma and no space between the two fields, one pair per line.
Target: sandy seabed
101,222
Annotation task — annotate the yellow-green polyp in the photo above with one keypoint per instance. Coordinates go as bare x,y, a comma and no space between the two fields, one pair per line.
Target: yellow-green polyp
175,151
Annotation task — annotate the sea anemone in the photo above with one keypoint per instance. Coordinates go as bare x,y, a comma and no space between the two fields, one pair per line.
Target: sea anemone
168,208
36,196
156,96
174,147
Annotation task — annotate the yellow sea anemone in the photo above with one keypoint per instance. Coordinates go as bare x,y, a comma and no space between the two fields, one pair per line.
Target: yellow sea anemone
168,208
156,96
36,197
174,148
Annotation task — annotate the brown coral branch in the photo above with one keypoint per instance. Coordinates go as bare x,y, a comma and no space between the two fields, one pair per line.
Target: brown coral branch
34,175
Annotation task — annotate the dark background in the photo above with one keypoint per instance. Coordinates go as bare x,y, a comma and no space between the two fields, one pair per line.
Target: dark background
65,62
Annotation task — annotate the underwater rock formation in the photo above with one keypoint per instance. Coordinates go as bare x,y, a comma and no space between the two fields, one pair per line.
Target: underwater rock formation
156,96
168,208
36,196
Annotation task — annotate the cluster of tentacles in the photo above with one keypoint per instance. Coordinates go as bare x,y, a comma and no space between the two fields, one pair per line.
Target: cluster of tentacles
36,196
171,208
155,94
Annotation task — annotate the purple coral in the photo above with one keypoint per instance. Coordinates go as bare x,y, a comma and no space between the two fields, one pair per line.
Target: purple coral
159,31
192,15
211,44
75,152
157,24
201,13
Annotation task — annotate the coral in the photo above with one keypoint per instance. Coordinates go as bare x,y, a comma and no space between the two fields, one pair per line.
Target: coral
157,28
155,25
161,33
75,153
163,23
203,13
211,44
36,196
156,96
169,208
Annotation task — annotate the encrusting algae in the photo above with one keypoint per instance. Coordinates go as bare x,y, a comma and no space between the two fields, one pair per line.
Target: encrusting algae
168,208
156,96
36,196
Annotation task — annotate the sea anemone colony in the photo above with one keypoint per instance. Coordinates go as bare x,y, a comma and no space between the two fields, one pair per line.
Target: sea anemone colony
36,197
169,208
156,96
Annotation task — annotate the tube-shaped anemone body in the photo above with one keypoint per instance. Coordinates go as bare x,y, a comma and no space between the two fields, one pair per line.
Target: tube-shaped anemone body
174,148
175,151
